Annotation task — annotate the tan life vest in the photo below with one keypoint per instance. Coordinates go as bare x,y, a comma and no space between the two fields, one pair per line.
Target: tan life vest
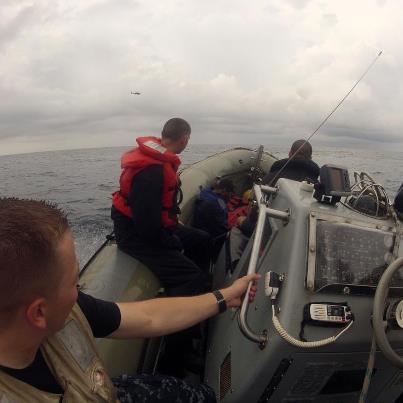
72,357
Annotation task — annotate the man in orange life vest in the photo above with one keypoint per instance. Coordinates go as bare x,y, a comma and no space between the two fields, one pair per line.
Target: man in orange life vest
145,213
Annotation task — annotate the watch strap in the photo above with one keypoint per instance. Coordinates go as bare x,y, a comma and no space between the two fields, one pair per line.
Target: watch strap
222,305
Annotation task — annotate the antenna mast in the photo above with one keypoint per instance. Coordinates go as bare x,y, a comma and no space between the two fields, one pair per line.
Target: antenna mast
328,116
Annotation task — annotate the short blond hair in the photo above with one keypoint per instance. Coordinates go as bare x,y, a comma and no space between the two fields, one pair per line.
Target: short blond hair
30,232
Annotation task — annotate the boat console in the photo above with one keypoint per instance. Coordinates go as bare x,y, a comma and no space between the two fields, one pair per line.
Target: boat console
327,322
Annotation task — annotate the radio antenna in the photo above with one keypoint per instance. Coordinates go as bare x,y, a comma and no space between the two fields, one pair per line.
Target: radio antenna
327,117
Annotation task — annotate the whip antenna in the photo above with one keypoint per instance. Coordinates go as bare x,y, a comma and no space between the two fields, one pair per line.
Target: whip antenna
327,117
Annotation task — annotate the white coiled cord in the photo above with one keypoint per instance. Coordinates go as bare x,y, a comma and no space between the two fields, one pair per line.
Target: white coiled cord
304,344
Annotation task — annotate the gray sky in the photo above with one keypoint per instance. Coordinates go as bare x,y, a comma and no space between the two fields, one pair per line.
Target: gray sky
240,72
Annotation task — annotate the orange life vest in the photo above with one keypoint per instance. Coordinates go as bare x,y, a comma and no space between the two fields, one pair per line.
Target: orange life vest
237,207
150,152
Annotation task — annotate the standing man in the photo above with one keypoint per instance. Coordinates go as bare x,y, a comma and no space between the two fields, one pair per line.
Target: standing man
145,212
47,327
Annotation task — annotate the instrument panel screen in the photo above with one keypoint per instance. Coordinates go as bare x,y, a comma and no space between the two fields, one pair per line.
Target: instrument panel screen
336,177
351,255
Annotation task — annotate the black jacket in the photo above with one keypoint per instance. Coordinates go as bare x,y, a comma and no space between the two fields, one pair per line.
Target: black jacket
399,200
145,200
296,169
211,213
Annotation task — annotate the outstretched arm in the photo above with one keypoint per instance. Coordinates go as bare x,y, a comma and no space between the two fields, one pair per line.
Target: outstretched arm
160,316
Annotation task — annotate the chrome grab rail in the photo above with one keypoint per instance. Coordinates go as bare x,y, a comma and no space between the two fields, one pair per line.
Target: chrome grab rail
264,211
269,189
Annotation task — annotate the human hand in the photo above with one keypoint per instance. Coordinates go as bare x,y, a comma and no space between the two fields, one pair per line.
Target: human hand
234,293
240,220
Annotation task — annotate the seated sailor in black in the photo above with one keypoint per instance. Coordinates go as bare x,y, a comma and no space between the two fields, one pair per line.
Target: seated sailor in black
47,328
399,200
298,166
145,213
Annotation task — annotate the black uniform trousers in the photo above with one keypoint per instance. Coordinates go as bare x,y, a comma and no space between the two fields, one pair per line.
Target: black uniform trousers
181,273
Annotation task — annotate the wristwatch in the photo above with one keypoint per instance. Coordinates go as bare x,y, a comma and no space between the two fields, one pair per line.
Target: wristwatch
222,305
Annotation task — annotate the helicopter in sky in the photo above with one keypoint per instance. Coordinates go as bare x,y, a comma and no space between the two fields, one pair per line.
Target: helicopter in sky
135,93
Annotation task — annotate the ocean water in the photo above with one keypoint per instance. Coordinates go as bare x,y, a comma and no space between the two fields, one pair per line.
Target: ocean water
81,181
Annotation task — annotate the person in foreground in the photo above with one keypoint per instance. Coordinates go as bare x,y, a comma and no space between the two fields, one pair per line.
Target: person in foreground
47,326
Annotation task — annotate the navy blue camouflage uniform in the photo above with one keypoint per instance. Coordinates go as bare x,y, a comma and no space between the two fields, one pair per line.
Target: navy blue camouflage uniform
158,388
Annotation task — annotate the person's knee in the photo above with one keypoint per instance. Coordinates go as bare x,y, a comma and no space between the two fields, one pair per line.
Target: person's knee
194,283
198,283
205,241
201,237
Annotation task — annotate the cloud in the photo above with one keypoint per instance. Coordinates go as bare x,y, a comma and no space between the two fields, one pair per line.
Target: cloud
238,72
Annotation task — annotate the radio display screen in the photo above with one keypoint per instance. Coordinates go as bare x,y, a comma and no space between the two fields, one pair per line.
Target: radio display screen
351,255
337,180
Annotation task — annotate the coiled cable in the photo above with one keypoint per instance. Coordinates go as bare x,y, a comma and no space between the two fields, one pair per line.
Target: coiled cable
304,344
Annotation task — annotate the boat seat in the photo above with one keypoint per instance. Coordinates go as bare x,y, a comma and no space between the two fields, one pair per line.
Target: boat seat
115,276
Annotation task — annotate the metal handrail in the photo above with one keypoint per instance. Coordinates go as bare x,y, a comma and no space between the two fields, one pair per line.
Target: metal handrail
264,211
269,189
